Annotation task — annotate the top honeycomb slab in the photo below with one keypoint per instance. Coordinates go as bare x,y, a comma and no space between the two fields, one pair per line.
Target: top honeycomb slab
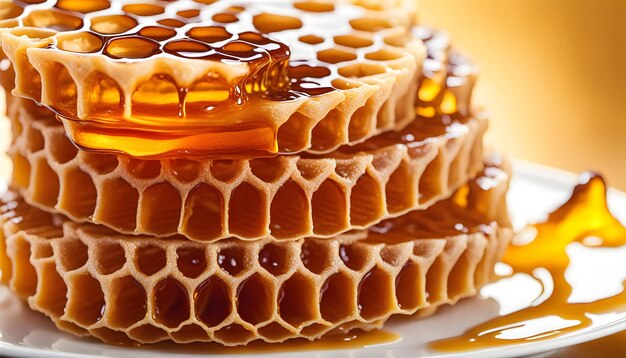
217,78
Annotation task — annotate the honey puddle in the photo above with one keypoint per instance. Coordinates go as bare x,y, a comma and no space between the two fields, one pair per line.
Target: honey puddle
582,225
354,340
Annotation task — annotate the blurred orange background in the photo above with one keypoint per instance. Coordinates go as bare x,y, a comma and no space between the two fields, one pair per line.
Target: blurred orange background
553,76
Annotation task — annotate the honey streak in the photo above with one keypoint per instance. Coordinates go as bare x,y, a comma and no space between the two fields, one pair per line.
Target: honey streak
584,220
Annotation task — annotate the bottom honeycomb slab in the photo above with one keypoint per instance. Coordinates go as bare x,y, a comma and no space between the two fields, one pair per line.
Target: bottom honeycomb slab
133,290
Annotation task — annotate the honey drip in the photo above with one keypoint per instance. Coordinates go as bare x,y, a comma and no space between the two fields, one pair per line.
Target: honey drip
217,78
584,219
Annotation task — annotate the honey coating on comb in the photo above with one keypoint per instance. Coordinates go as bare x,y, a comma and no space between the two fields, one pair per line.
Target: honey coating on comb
285,197
216,76
134,290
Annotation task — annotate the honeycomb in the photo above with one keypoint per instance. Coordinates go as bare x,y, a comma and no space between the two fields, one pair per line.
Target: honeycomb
286,197
222,78
131,290
447,78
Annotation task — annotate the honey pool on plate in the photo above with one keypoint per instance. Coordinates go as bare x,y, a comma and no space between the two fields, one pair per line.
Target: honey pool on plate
583,228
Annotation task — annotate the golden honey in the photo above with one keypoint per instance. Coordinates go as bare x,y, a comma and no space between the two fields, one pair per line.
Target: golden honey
584,219
212,77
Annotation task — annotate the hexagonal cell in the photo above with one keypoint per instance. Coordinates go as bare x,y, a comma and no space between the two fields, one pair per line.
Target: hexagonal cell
83,6
159,90
72,255
384,55
267,23
160,209
432,183
290,135
226,170
86,300
275,332
370,24
329,209
375,298
45,184
334,55
189,14
148,334
191,261
311,39
190,334
118,204
143,169
112,24
314,6
255,300
20,176
353,257
34,140
24,277
410,287
105,97
337,300
171,23
42,250
460,278
79,203
359,70
289,211
150,259
143,9
209,34
225,18
51,294
366,201
234,333
52,19
296,300
232,260
328,132
131,48
314,330
203,215
109,257
65,95
353,41
171,303
207,92
212,301
267,169
247,216
128,302
315,256
274,258
10,10
100,163
61,148
185,170
79,42
400,190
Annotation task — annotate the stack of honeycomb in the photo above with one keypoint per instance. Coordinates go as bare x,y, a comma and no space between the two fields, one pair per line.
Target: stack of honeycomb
231,171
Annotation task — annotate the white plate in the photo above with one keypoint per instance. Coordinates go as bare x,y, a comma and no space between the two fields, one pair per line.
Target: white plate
535,191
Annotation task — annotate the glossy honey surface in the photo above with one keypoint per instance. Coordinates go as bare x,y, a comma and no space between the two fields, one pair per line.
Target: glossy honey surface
582,227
